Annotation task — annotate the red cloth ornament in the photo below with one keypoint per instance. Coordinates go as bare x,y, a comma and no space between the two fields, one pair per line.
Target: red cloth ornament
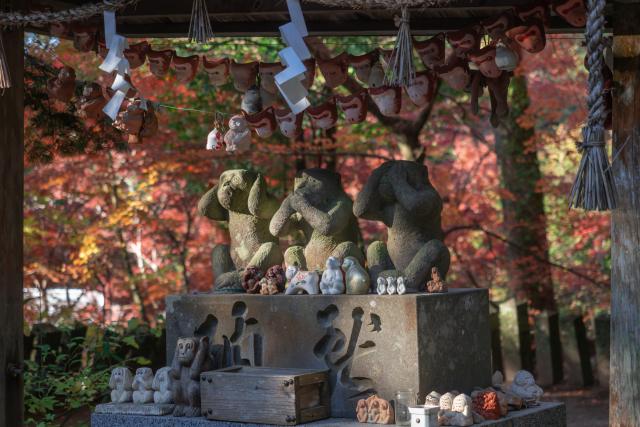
63,86
136,54
290,124
497,26
267,71
485,60
465,40
217,69
572,11
84,37
159,61
486,404
310,73
388,99
423,88
324,116
431,51
456,74
185,67
353,106
529,35
91,102
334,70
362,64
243,75
263,122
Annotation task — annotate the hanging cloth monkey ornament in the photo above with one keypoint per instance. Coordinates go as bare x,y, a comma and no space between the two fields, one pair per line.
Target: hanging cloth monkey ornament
215,139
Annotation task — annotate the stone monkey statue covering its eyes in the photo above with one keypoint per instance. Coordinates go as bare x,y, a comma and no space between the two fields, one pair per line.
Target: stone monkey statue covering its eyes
399,194
323,211
241,199
189,360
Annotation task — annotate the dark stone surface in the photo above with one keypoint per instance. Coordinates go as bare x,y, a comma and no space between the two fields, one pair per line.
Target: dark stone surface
370,343
548,414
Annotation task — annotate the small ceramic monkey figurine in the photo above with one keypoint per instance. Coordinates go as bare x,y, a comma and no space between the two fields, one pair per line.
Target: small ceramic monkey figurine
163,386
436,284
238,137
391,285
332,281
142,386
382,286
190,359
120,384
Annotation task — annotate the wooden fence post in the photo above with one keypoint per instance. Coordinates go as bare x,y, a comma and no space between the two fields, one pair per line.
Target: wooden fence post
11,197
624,409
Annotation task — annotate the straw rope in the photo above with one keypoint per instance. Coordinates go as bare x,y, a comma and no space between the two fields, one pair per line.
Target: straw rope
593,188
13,19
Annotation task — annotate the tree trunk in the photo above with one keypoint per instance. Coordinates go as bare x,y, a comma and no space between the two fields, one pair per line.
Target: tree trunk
523,208
624,410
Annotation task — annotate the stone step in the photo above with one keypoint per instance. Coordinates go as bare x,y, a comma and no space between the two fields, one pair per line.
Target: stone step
548,414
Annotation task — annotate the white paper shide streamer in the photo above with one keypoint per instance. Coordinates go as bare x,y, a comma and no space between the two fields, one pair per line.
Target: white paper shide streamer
289,81
115,61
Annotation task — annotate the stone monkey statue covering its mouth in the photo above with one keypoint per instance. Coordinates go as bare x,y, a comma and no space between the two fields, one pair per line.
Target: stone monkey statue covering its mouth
241,198
323,211
399,194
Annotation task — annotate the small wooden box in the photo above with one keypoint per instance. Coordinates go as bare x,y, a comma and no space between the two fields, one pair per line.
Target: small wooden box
265,395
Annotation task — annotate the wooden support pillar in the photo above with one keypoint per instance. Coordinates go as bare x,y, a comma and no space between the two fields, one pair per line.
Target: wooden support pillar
624,409
11,196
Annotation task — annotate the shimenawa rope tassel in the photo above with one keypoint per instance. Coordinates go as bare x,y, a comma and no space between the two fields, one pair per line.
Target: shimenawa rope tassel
401,71
200,26
593,188
5,78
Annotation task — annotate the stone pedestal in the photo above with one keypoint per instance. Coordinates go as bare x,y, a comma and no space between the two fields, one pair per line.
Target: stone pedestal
369,343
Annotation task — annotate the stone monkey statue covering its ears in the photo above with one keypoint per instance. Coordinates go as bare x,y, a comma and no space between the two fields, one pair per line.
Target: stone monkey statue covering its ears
323,211
241,199
399,194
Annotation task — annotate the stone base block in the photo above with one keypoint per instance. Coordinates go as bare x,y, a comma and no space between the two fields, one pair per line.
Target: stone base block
369,343
135,409
548,414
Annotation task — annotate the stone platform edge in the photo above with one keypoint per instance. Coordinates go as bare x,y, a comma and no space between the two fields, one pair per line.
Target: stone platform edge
548,414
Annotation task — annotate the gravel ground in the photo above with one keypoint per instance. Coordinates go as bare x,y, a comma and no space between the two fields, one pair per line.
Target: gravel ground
586,407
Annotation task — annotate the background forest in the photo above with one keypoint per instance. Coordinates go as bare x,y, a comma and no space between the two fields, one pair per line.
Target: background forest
111,227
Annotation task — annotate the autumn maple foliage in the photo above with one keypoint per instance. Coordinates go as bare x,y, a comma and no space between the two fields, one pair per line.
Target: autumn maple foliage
120,219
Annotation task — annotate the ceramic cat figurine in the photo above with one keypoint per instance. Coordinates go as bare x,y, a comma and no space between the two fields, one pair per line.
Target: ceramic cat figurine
302,282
